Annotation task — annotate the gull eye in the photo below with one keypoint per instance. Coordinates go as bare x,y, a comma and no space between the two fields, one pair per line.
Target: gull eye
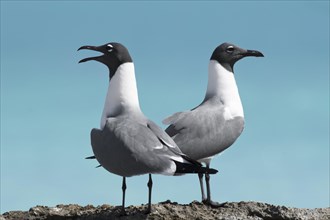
230,49
109,47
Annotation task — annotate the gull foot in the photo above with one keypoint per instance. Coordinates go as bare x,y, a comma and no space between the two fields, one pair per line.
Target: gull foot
123,212
212,203
147,211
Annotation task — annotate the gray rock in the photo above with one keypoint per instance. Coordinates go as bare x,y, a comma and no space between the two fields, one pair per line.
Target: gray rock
171,210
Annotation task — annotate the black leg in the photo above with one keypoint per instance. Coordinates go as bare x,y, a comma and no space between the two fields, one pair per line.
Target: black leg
200,177
208,190
149,198
124,189
208,201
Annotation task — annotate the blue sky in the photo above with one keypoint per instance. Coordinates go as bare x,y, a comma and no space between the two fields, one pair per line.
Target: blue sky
49,103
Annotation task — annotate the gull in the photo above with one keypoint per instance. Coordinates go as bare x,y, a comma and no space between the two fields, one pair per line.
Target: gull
128,143
215,124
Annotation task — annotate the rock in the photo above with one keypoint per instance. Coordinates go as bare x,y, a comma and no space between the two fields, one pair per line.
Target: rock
171,210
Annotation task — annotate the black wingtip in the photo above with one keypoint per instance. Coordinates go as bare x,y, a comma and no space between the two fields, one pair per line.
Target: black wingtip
195,162
182,168
91,157
211,171
98,166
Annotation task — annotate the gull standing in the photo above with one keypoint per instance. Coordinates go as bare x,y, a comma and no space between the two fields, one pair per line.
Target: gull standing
218,121
128,143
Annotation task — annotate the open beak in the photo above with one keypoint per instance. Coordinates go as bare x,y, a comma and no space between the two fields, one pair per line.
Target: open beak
97,58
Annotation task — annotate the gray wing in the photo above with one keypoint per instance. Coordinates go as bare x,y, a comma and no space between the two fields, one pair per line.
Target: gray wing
127,148
163,137
169,142
203,132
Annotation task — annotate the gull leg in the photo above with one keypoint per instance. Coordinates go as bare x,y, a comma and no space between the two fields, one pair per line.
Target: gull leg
200,177
208,201
124,189
149,198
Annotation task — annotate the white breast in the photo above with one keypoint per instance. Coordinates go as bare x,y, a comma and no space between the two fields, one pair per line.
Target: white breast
122,93
221,83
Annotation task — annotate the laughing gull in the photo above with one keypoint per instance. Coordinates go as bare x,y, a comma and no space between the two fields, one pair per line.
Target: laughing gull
218,121
128,143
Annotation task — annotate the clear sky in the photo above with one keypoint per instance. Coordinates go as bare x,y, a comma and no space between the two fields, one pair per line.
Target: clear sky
49,103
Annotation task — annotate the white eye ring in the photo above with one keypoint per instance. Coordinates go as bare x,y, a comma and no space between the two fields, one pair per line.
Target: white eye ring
230,49
109,47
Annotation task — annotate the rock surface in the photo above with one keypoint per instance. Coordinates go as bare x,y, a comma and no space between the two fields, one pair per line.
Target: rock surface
172,210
